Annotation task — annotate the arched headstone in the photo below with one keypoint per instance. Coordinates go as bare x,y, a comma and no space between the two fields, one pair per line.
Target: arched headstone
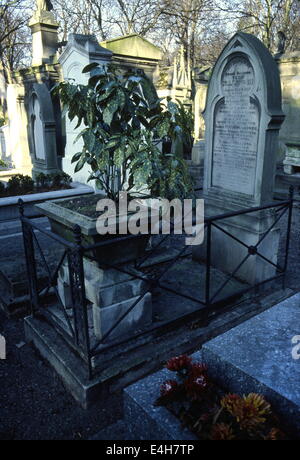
42,130
243,116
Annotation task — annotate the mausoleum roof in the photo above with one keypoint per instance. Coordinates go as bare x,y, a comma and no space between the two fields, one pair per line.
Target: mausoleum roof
133,45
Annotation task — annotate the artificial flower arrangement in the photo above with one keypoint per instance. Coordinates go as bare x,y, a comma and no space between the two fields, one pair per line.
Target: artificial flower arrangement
211,414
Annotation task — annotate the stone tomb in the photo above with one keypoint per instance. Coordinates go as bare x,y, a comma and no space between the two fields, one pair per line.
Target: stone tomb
243,116
289,66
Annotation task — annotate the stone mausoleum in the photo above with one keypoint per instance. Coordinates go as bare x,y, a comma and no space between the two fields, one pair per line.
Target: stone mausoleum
45,141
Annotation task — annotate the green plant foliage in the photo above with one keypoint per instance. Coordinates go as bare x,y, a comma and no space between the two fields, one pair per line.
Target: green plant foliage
42,180
57,180
20,185
122,123
2,189
3,164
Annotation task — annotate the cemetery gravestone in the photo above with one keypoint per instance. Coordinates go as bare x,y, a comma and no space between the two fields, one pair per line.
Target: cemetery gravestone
42,130
243,116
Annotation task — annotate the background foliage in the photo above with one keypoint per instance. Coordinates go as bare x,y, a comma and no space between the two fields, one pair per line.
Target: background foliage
202,26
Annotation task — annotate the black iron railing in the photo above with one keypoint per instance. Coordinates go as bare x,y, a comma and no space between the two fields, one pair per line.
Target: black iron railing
76,330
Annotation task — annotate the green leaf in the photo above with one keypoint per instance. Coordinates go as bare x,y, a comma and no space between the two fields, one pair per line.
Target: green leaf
90,67
119,157
89,140
80,164
76,157
80,135
110,110
112,143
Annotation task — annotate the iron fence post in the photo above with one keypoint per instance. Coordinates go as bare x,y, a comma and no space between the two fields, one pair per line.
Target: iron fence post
30,260
289,226
208,265
77,282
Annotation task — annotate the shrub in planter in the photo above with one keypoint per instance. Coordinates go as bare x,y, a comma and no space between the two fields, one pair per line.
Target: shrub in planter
3,164
19,185
57,180
212,414
42,180
2,189
60,179
124,123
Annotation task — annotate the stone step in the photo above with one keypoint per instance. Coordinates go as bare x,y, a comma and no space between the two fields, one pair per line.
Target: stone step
259,356
143,419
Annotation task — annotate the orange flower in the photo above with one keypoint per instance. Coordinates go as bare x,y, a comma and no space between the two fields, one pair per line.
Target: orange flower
229,402
222,432
249,411
274,435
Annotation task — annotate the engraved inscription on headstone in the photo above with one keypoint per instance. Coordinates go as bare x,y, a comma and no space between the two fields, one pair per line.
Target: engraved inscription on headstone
236,130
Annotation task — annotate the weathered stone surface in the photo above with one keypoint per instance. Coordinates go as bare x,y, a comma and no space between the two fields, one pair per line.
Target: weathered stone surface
115,293
243,115
9,208
146,421
289,66
256,356
140,316
111,293
80,51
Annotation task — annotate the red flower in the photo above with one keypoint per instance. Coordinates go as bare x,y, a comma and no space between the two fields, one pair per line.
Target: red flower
196,386
169,389
197,369
179,363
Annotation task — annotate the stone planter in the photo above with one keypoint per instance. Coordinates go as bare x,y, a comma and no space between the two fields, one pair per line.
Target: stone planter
9,208
110,292
63,220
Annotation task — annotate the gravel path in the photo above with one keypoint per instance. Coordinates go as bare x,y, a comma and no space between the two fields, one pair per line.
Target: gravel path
34,403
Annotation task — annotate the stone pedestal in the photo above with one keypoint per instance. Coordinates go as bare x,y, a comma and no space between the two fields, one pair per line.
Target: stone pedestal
44,37
227,254
291,163
17,136
111,293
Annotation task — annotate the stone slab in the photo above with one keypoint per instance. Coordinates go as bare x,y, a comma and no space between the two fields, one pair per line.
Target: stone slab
68,366
145,421
256,356
9,208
